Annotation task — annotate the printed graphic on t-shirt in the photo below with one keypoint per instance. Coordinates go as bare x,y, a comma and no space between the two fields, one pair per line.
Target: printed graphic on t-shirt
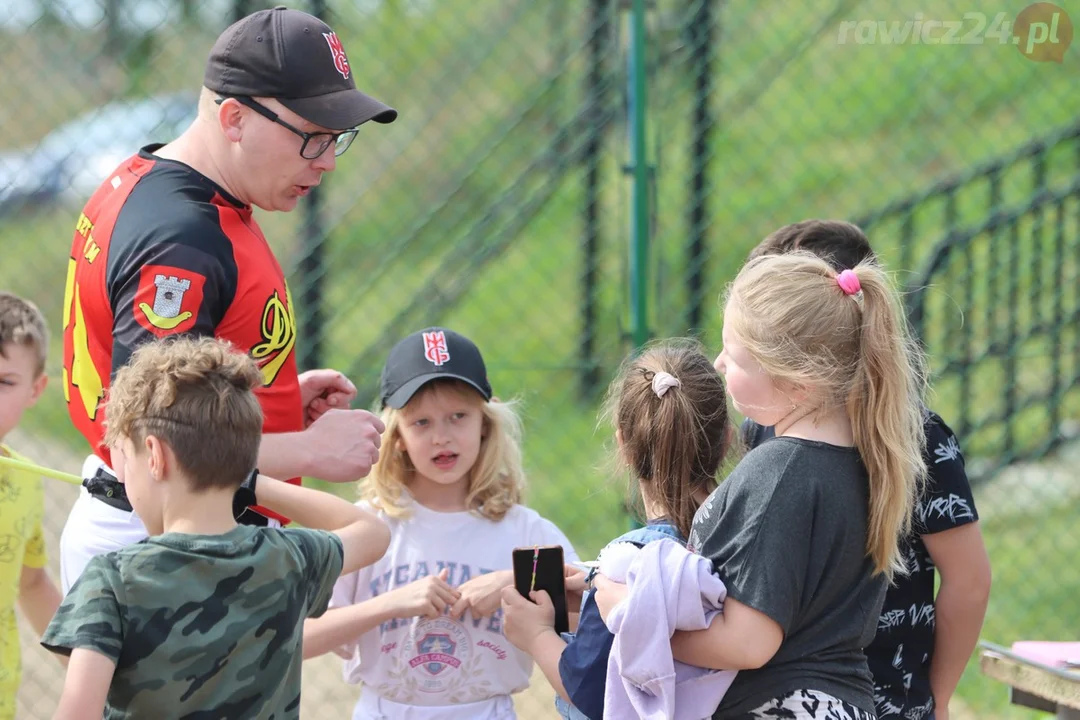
168,299
949,450
949,506
278,336
440,656
899,656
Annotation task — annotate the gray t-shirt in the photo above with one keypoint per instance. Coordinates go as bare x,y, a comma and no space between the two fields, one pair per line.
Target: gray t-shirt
786,532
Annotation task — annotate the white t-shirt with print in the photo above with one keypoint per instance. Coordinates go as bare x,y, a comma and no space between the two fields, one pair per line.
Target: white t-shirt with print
442,663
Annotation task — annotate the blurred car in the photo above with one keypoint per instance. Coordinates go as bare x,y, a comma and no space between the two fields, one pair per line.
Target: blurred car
71,161
133,16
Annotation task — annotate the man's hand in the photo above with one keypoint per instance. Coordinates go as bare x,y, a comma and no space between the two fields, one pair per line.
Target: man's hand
322,390
608,594
344,444
428,596
482,594
524,621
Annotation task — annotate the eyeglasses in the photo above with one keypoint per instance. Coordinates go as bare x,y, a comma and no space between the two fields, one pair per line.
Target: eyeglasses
315,144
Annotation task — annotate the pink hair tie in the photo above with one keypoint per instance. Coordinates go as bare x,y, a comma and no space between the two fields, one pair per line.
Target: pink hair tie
849,283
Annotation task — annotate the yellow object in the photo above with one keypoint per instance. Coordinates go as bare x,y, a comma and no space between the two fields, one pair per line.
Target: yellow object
20,463
22,504
83,373
164,323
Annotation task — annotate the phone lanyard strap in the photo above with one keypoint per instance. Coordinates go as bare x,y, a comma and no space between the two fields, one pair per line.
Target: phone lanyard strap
536,558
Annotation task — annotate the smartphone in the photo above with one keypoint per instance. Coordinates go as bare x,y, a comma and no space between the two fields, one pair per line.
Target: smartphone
550,576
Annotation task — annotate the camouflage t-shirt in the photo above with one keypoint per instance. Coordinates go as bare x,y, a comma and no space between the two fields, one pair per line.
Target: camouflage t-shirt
202,626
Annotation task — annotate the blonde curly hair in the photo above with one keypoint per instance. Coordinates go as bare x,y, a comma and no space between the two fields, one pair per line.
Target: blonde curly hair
196,395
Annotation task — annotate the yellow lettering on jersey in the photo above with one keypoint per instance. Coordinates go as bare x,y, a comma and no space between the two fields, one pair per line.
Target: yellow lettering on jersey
69,292
84,226
91,249
84,375
279,335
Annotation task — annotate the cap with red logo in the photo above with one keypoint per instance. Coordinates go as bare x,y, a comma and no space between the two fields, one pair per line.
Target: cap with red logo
432,354
299,61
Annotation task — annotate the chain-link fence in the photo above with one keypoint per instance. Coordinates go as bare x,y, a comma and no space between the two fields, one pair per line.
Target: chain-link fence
557,190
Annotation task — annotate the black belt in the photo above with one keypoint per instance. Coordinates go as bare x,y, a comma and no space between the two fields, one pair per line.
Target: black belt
106,488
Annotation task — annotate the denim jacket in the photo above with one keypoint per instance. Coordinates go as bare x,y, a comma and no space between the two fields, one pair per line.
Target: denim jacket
583,665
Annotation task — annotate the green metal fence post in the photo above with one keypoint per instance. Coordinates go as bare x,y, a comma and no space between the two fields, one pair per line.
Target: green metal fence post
639,219
639,214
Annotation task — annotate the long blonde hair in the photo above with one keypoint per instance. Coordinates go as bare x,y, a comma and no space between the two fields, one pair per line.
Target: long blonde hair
850,351
496,481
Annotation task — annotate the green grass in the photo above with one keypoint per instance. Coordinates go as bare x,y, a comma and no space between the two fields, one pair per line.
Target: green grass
840,130
1034,590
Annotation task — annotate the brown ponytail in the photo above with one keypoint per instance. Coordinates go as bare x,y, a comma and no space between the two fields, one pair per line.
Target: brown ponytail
673,443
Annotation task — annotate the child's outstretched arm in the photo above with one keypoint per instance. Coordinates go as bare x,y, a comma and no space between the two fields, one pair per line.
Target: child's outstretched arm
960,557
364,537
429,597
86,686
38,597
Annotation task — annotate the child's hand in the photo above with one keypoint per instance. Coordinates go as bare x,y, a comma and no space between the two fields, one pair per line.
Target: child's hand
426,597
523,621
608,594
482,594
575,587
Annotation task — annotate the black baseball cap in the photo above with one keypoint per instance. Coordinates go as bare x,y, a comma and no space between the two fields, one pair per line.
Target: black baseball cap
296,59
431,354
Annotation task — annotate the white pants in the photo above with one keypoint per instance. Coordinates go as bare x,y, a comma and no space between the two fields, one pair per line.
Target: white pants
94,528
371,706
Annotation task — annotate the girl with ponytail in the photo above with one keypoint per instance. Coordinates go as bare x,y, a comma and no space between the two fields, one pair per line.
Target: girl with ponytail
805,531
669,411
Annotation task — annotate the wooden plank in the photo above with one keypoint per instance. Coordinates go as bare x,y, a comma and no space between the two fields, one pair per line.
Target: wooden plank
1058,686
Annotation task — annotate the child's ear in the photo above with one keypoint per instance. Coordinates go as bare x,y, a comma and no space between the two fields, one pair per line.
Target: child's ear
794,393
801,393
155,456
38,387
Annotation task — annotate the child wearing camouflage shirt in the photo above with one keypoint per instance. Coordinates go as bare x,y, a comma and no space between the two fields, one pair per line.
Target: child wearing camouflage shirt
205,617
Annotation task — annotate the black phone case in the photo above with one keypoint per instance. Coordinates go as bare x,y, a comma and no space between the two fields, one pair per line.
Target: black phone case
550,576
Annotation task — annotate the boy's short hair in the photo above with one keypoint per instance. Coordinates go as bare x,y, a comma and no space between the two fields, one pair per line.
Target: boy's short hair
841,244
195,394
21,323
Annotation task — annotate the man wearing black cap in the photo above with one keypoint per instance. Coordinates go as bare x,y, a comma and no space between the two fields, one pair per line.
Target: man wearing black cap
169,245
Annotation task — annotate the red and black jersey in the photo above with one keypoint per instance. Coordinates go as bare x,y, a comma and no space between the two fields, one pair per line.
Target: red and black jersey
160,250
